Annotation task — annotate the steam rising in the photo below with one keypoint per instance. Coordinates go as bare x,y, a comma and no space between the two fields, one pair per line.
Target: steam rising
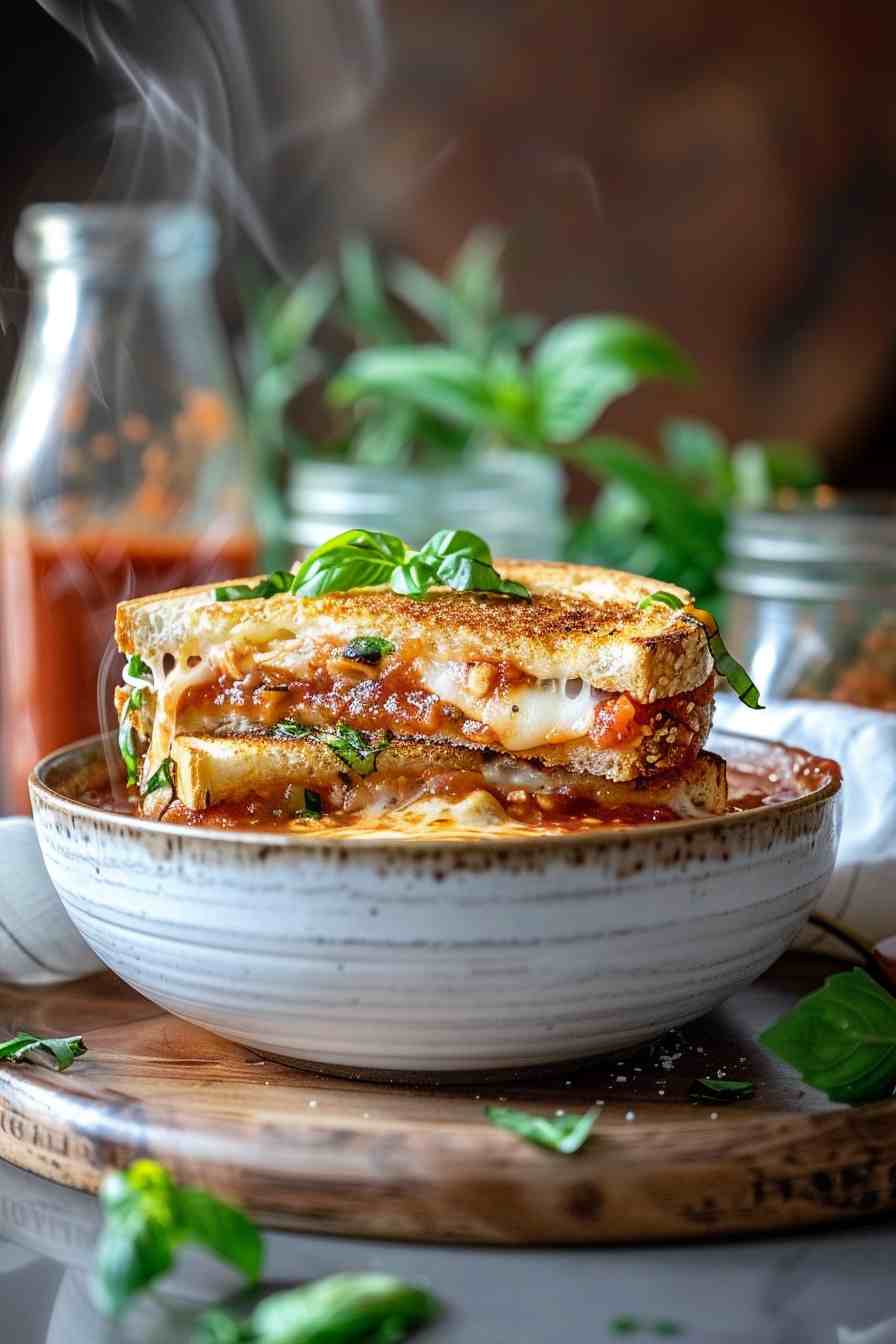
236,104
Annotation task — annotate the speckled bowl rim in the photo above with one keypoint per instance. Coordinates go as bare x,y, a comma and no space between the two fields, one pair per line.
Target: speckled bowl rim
483,840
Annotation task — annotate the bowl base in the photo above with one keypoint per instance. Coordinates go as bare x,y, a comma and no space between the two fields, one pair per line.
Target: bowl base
453,1077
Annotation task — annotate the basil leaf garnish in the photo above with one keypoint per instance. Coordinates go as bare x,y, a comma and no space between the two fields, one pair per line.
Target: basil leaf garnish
64,1049
359,559
277,582
562,1133
720,1089
313,807
147,1217
334,1310
289,728
138,673
161,779
725,665
370,649
841,1038
358,750
127,738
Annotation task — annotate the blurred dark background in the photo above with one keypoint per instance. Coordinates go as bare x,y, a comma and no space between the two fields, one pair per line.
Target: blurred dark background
728,172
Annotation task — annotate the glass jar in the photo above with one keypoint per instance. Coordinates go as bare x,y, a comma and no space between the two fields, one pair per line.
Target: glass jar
124,461
811,599
512,500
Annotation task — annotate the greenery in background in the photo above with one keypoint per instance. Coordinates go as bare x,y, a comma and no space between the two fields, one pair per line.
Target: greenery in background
428,371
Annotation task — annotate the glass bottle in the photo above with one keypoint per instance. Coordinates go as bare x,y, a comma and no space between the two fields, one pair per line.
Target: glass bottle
124,460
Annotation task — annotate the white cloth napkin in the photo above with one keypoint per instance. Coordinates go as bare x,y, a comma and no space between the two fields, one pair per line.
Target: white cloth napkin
39,945
862,893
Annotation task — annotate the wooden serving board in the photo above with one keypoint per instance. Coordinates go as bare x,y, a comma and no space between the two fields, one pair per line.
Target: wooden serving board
325,1154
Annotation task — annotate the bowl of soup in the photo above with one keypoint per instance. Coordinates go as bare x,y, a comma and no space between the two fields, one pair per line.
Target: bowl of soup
445,951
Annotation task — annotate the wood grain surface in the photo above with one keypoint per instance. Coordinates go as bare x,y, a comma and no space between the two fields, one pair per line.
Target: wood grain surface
333,1155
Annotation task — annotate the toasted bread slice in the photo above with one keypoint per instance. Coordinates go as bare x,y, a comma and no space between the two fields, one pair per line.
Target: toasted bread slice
213,770
583,622
536,678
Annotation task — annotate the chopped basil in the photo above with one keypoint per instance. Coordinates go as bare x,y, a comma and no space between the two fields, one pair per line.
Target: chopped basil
369,649
725,665
138,673
162,779
562,1133
336,1310
277,582
289,728
359,751
64,1049
636,1325
127,738
148,1217
356,749
841,1038
313,807
720,1089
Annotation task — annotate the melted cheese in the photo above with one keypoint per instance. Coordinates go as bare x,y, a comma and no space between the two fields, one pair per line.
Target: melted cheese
524,716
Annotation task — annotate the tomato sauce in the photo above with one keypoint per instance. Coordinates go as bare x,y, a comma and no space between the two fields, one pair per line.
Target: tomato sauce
58,606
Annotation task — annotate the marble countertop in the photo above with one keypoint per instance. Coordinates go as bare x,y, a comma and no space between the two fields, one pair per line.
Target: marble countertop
824,1288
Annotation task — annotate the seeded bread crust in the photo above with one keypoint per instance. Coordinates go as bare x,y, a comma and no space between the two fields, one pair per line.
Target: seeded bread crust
211,769
582,622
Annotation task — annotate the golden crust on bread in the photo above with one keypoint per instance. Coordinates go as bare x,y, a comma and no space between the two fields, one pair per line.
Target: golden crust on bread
210,770
583,622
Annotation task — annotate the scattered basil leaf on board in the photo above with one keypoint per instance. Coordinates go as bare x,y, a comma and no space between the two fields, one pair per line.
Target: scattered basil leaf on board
562,1133
369,649
725,665
147,1217
277,582
64,1049
340,1309
841,1039
161,779
720,1090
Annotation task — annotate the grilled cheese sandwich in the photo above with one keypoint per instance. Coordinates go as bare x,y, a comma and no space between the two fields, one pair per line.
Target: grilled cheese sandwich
579,678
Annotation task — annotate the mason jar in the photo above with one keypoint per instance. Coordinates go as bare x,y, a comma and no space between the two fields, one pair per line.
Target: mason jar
514,501
811,599
124,460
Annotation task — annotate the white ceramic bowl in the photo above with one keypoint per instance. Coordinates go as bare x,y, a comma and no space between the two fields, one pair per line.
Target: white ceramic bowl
437,955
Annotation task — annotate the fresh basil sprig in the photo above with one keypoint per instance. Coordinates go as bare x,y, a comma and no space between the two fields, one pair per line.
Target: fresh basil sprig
562,1133
721,1090
148,1217
725,665
841,1038
277,582
339,1309
361,559
356,749
64,1049
369,649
